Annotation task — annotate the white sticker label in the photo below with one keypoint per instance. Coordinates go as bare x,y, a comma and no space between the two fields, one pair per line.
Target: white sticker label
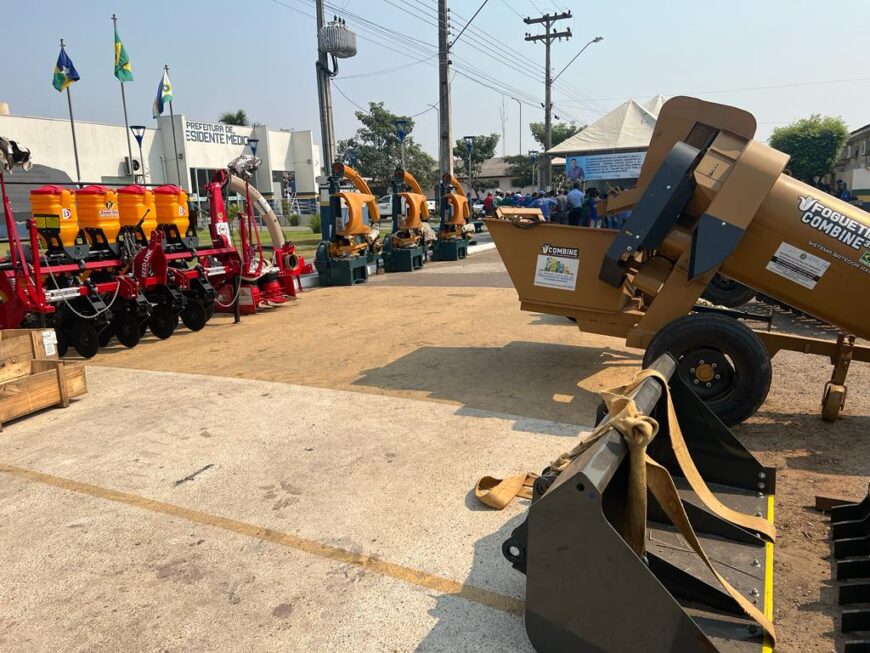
222,229
49,342
557,267
797,265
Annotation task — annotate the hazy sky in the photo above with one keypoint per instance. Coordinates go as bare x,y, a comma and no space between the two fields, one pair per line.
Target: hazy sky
780,59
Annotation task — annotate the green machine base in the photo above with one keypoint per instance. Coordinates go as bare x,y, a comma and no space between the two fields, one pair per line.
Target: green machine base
340,271
450,250
404,260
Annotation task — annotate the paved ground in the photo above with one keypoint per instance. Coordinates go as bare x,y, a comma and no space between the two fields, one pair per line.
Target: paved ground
301,482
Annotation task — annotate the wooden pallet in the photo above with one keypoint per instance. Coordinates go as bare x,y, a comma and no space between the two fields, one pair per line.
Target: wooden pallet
32,377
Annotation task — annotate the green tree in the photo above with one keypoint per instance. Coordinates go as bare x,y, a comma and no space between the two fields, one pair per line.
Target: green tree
560,131
813,144
482,150
377,149
234,118
519,167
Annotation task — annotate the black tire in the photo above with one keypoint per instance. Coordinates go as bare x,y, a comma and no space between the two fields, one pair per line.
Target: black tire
194,316
723,291
721,359
162,322
105,336
62,341
84,338
128,330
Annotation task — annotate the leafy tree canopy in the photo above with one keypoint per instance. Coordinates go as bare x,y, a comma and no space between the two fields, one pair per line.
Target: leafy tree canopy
482,150
375,150
234,118
813,144
559,132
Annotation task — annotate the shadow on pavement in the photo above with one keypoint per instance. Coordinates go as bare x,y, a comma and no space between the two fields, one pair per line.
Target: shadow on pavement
537,380
464,625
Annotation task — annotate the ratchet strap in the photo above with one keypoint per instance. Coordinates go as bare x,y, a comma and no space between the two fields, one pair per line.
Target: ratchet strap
638,430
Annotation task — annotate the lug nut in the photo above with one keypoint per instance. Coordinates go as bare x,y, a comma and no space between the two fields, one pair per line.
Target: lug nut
700,362
717,377
713,365
754,592
709,384
696,382
692,370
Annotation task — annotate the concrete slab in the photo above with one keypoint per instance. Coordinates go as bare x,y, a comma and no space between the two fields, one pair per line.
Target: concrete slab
358,473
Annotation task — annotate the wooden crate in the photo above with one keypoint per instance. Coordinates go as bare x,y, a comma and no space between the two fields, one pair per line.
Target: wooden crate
32,377
26,344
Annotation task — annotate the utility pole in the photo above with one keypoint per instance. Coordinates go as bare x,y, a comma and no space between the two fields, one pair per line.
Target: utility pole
445,136
547,20
324,95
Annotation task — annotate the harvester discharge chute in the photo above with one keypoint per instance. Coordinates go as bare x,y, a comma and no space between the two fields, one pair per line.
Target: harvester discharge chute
455,229
350,245
405,248
655,533
263,282
709,200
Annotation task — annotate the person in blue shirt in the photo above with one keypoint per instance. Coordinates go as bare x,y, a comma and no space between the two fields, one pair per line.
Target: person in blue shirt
592,204
544,204
575,205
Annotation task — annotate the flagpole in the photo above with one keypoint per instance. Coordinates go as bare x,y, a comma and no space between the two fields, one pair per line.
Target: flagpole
174,141
72,124
126,122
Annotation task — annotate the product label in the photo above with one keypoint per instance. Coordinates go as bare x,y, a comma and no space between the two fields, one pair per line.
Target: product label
834,224
557,267
797,265
49,342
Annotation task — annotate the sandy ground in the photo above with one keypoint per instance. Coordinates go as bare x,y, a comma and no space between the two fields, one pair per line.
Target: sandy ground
448,344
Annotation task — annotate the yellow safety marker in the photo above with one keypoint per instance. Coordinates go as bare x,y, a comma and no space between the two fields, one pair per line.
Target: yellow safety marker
369,563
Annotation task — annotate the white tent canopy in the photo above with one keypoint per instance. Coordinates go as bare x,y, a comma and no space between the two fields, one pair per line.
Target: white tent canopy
629,126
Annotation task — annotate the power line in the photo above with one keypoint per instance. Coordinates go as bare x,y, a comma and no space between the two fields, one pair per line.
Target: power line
470,20
344,95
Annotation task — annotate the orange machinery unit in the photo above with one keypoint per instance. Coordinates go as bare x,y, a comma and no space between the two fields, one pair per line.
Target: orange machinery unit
54,212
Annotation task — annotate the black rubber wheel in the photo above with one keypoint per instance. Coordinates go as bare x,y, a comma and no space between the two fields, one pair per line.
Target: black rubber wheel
721,359
723,291
128,330
84,338
210,309
62,341
105,336
162,322
194,315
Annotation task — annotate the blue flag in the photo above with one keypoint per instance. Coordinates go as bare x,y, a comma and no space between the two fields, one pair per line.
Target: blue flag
65,72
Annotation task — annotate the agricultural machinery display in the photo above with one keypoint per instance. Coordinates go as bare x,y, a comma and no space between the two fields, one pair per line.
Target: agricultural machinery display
97,263
709,201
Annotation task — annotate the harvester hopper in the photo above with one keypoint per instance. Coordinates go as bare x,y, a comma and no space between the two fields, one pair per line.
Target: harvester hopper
709,200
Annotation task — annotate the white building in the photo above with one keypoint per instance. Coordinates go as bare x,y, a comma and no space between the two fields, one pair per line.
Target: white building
289,158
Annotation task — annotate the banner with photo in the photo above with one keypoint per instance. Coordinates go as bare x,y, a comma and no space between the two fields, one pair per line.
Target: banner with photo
596,167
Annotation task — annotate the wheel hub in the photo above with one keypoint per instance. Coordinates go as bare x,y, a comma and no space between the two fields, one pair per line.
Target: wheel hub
707,371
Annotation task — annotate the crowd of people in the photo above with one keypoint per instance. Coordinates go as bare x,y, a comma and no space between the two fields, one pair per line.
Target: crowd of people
573,206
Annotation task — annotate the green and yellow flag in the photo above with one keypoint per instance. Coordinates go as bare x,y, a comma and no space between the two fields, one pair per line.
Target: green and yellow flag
123,65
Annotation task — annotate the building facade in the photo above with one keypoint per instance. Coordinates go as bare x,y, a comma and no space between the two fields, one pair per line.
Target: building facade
853,164
290,159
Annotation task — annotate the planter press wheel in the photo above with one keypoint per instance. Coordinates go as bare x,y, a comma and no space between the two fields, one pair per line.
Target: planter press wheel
84,338
724,291
105,336
833,402
128,330
720,359
62,341
194,315
162,322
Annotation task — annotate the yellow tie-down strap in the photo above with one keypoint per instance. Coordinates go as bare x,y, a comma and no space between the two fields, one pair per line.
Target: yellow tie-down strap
638,431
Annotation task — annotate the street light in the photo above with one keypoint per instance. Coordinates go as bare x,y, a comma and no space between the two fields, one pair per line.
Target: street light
139,134
533,155
469,145
597,39
401,130
520,105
